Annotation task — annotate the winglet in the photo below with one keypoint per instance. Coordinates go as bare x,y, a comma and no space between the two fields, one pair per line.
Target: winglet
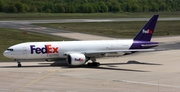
146,32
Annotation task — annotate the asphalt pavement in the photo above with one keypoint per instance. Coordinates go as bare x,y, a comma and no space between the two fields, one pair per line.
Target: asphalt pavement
142,72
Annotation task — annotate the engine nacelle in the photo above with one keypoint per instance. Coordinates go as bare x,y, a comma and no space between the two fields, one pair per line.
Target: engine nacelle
76,59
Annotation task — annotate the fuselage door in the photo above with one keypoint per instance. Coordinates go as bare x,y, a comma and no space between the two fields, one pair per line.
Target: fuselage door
24,52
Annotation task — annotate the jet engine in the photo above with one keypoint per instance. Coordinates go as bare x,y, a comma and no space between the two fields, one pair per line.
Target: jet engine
76,59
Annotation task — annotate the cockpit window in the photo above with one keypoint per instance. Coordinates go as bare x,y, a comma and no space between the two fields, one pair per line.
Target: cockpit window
10,49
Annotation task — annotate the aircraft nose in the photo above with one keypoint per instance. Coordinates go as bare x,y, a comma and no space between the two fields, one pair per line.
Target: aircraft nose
7,54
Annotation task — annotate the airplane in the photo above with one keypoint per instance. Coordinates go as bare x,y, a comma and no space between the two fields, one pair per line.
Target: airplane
79,53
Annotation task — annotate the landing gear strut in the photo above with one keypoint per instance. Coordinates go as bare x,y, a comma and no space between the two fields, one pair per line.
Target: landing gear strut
93,63
18,62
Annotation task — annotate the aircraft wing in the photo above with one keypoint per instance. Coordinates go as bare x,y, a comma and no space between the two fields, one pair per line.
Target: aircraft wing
110,51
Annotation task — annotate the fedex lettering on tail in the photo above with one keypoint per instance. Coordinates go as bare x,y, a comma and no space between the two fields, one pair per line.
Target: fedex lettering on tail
47,49
147,31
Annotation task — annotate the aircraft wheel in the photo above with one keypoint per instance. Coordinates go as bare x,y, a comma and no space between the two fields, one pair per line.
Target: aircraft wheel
94,64
89,64
19,65
98,64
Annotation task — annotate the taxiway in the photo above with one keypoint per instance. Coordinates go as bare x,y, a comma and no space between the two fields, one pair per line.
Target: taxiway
151,72
157,71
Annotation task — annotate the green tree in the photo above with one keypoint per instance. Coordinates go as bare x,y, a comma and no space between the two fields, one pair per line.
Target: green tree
90,8
59,8
10,9
2,4
126,7
144,5
70,9
109,5
154,7
145,8
136,8
20,7
33,9
48,8
84,8
39,8
96,7
87,8
116,8
103,7
26,8
163,6
48,11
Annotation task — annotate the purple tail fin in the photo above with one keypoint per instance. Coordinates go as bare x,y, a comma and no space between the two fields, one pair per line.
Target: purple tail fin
147,31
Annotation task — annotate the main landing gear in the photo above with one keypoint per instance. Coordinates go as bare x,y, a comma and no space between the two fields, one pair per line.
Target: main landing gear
18,62
93,63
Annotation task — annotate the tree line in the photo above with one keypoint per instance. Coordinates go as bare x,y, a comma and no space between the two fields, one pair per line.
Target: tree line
87,6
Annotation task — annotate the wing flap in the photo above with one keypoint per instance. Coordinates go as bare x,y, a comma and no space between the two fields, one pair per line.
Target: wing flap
149,45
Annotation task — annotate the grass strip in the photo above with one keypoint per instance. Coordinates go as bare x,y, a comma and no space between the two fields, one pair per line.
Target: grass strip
117,29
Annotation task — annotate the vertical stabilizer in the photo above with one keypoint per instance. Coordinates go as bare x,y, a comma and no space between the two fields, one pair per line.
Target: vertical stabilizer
147,31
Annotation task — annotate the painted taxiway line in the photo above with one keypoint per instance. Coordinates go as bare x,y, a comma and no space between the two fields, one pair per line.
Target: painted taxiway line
34,81
147,83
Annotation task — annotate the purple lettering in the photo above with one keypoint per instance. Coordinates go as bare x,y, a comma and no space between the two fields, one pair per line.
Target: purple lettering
47,49
38,50
32,48
44,50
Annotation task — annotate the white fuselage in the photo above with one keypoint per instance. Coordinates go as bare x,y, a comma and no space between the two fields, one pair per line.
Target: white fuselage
57,49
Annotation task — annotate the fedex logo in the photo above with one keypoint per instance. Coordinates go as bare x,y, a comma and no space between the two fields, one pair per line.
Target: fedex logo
46,49
147,31
78,59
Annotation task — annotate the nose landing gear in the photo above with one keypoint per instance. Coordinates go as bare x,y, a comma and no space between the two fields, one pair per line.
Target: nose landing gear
18,62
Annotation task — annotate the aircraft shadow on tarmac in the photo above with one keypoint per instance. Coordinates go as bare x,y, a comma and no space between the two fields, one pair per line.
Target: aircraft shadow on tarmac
112,66
104,66
164,46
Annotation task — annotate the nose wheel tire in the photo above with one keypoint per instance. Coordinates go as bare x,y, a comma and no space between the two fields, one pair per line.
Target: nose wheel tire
19,65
